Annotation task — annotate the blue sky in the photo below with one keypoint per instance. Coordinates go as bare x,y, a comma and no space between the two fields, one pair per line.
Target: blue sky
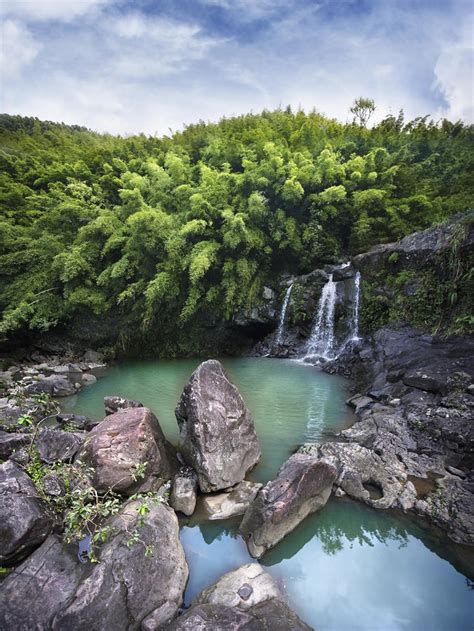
127,66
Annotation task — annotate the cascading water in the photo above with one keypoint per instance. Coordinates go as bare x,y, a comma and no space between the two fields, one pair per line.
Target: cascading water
354,325
321,341
281,323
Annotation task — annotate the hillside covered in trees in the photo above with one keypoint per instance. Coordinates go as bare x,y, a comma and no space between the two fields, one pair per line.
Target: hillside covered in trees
157,233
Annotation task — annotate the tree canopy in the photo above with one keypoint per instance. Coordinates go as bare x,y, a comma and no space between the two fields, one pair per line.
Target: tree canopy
163,230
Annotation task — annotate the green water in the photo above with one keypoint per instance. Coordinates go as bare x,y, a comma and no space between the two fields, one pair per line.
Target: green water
346,568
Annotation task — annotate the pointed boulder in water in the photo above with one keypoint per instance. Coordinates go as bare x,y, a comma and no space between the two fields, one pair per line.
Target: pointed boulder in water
217,434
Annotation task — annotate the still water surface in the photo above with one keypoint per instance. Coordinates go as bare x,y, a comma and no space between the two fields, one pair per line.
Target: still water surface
346,568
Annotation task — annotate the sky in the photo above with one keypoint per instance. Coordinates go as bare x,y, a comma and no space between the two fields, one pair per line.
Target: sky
132,66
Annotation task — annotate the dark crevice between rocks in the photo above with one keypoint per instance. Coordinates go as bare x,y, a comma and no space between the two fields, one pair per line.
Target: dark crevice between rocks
374,489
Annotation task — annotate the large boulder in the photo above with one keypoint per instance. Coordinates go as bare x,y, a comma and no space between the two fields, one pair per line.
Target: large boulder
217,434
231,504
52,589
123,441
55,445
25,520
55,385
303,486
127,586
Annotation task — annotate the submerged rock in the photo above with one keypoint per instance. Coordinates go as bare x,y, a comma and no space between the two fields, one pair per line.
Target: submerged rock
121,443
233,503
25,520
303,486
217,434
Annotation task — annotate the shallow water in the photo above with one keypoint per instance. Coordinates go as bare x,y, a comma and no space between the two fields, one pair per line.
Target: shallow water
346,568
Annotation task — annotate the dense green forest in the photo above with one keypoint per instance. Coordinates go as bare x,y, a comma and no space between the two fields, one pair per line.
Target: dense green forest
159,231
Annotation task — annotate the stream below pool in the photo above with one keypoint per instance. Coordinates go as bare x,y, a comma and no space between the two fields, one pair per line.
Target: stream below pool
346,568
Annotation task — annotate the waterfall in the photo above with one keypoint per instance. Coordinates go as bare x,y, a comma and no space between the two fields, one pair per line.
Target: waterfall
281,323
354,324
321,341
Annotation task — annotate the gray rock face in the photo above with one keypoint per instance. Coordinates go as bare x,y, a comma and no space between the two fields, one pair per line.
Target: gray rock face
127,586
55,445
129,437
217,434
10,442
271,615
184,492
425,380
40,587
76,421
53,590
243,588
236,502
25,521
303,486
113,404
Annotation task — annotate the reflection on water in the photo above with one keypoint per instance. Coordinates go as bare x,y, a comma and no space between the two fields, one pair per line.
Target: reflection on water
346,568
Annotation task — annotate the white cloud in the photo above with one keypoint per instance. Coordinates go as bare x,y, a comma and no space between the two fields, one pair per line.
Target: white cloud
42,10
123,71
18,48
454,71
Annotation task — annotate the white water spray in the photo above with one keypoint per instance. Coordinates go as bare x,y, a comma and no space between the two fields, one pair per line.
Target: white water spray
354,324
321,341
281,323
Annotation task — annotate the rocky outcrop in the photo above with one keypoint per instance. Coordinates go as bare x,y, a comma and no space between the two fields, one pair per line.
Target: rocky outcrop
231,504
53,590
217,434
247,598
25,520
128,439
415,424
184,492
303,486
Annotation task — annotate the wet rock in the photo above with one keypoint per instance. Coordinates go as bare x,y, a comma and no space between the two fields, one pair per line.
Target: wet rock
55,445
11,442
271,615
113,404
231,504
303,486
25,520
243,588
184,492
126,585
128,438
217,434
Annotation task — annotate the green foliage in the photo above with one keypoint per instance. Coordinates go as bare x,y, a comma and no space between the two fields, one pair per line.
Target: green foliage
159,233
